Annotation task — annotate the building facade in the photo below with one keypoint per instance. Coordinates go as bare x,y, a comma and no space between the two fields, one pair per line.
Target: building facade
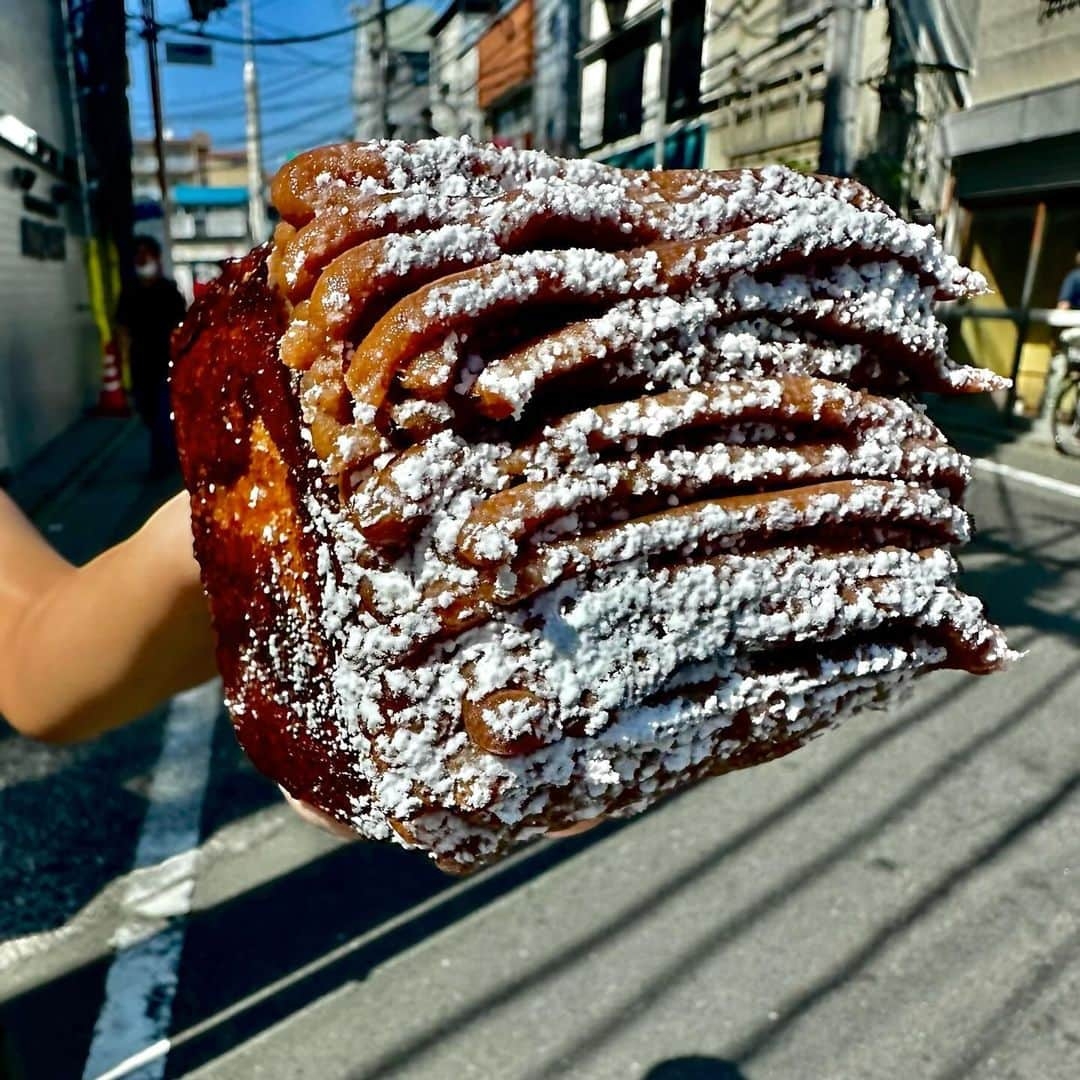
556,87
454,68
764,80
631,115
208,192
209,224
407,76
504,76
49,345
509,73
1014,161
965,113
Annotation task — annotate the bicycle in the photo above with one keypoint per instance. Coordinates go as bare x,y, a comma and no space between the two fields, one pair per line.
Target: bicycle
1065,415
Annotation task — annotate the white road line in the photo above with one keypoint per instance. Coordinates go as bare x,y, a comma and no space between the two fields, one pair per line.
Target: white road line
141,985
231,839
1048,483
449,895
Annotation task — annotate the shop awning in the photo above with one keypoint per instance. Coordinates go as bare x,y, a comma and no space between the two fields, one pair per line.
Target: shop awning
1044,169
1042,114
193,195
683,149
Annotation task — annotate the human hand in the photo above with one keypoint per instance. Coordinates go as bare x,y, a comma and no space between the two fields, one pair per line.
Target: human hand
576,830
314,816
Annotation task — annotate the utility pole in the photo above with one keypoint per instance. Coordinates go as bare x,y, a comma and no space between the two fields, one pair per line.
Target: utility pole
359,74
665,79
843,69
381,57
150,32
257,223
77,124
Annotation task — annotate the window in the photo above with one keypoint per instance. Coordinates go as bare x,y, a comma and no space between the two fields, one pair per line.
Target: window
623,89
790,9
183,226
616,13
687,41
419,68
225,223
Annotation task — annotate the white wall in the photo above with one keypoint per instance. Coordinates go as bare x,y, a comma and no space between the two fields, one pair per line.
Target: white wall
592,102
455,65
556,87
48,345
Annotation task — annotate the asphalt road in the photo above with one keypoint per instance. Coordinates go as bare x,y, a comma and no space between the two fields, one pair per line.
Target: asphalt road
900,899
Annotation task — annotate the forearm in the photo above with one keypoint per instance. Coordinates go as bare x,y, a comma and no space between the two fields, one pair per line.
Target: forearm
89,649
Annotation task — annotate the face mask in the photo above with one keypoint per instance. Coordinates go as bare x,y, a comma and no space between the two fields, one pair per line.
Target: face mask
147,270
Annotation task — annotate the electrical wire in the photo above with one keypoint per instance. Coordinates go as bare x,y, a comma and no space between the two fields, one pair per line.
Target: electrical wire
321,111
291,39
275,92
292,52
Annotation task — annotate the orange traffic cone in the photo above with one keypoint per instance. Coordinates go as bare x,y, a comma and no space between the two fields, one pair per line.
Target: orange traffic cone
112,400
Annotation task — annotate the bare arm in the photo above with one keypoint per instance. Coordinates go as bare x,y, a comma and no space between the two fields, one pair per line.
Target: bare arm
84,650
88,649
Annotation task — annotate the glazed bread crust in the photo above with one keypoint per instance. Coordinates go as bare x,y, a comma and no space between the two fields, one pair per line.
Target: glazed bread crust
527,491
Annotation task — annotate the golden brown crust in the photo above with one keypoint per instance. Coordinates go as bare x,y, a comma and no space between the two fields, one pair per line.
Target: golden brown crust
502,534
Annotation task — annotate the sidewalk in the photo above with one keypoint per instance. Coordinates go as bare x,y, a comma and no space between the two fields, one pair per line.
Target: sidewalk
978,428
76,451
89,487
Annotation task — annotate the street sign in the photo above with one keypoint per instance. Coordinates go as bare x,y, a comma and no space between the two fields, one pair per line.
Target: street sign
189,52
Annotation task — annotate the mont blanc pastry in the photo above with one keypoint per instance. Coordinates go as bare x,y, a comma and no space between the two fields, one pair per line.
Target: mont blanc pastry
527,491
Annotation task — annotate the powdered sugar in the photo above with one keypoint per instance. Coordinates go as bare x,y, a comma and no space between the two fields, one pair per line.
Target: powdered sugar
543,607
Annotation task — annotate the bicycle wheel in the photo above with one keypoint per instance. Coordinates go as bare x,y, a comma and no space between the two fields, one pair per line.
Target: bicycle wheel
1065,418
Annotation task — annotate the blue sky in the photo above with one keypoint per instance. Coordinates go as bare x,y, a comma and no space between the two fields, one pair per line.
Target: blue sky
305,89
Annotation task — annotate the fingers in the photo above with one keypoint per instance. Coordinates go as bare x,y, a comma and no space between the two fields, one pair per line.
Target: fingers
575,830
313,816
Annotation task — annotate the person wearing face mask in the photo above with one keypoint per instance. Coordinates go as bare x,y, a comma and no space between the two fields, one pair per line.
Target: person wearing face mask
150,308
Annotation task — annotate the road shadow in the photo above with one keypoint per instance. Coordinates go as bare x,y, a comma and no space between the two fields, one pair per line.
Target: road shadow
1002,1023
975,423
1033,570
1018,593
70,815
764,1036
307,933
298,919
62,833
695,1068
264,955
70,830
527,980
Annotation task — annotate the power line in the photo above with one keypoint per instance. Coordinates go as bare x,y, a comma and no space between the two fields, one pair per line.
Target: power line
320,138
291,39
306,118
270,29
277,92
298,121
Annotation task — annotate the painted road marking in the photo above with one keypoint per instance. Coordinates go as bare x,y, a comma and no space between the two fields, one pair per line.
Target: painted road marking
231,839
1062,487
448,895
131,1028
